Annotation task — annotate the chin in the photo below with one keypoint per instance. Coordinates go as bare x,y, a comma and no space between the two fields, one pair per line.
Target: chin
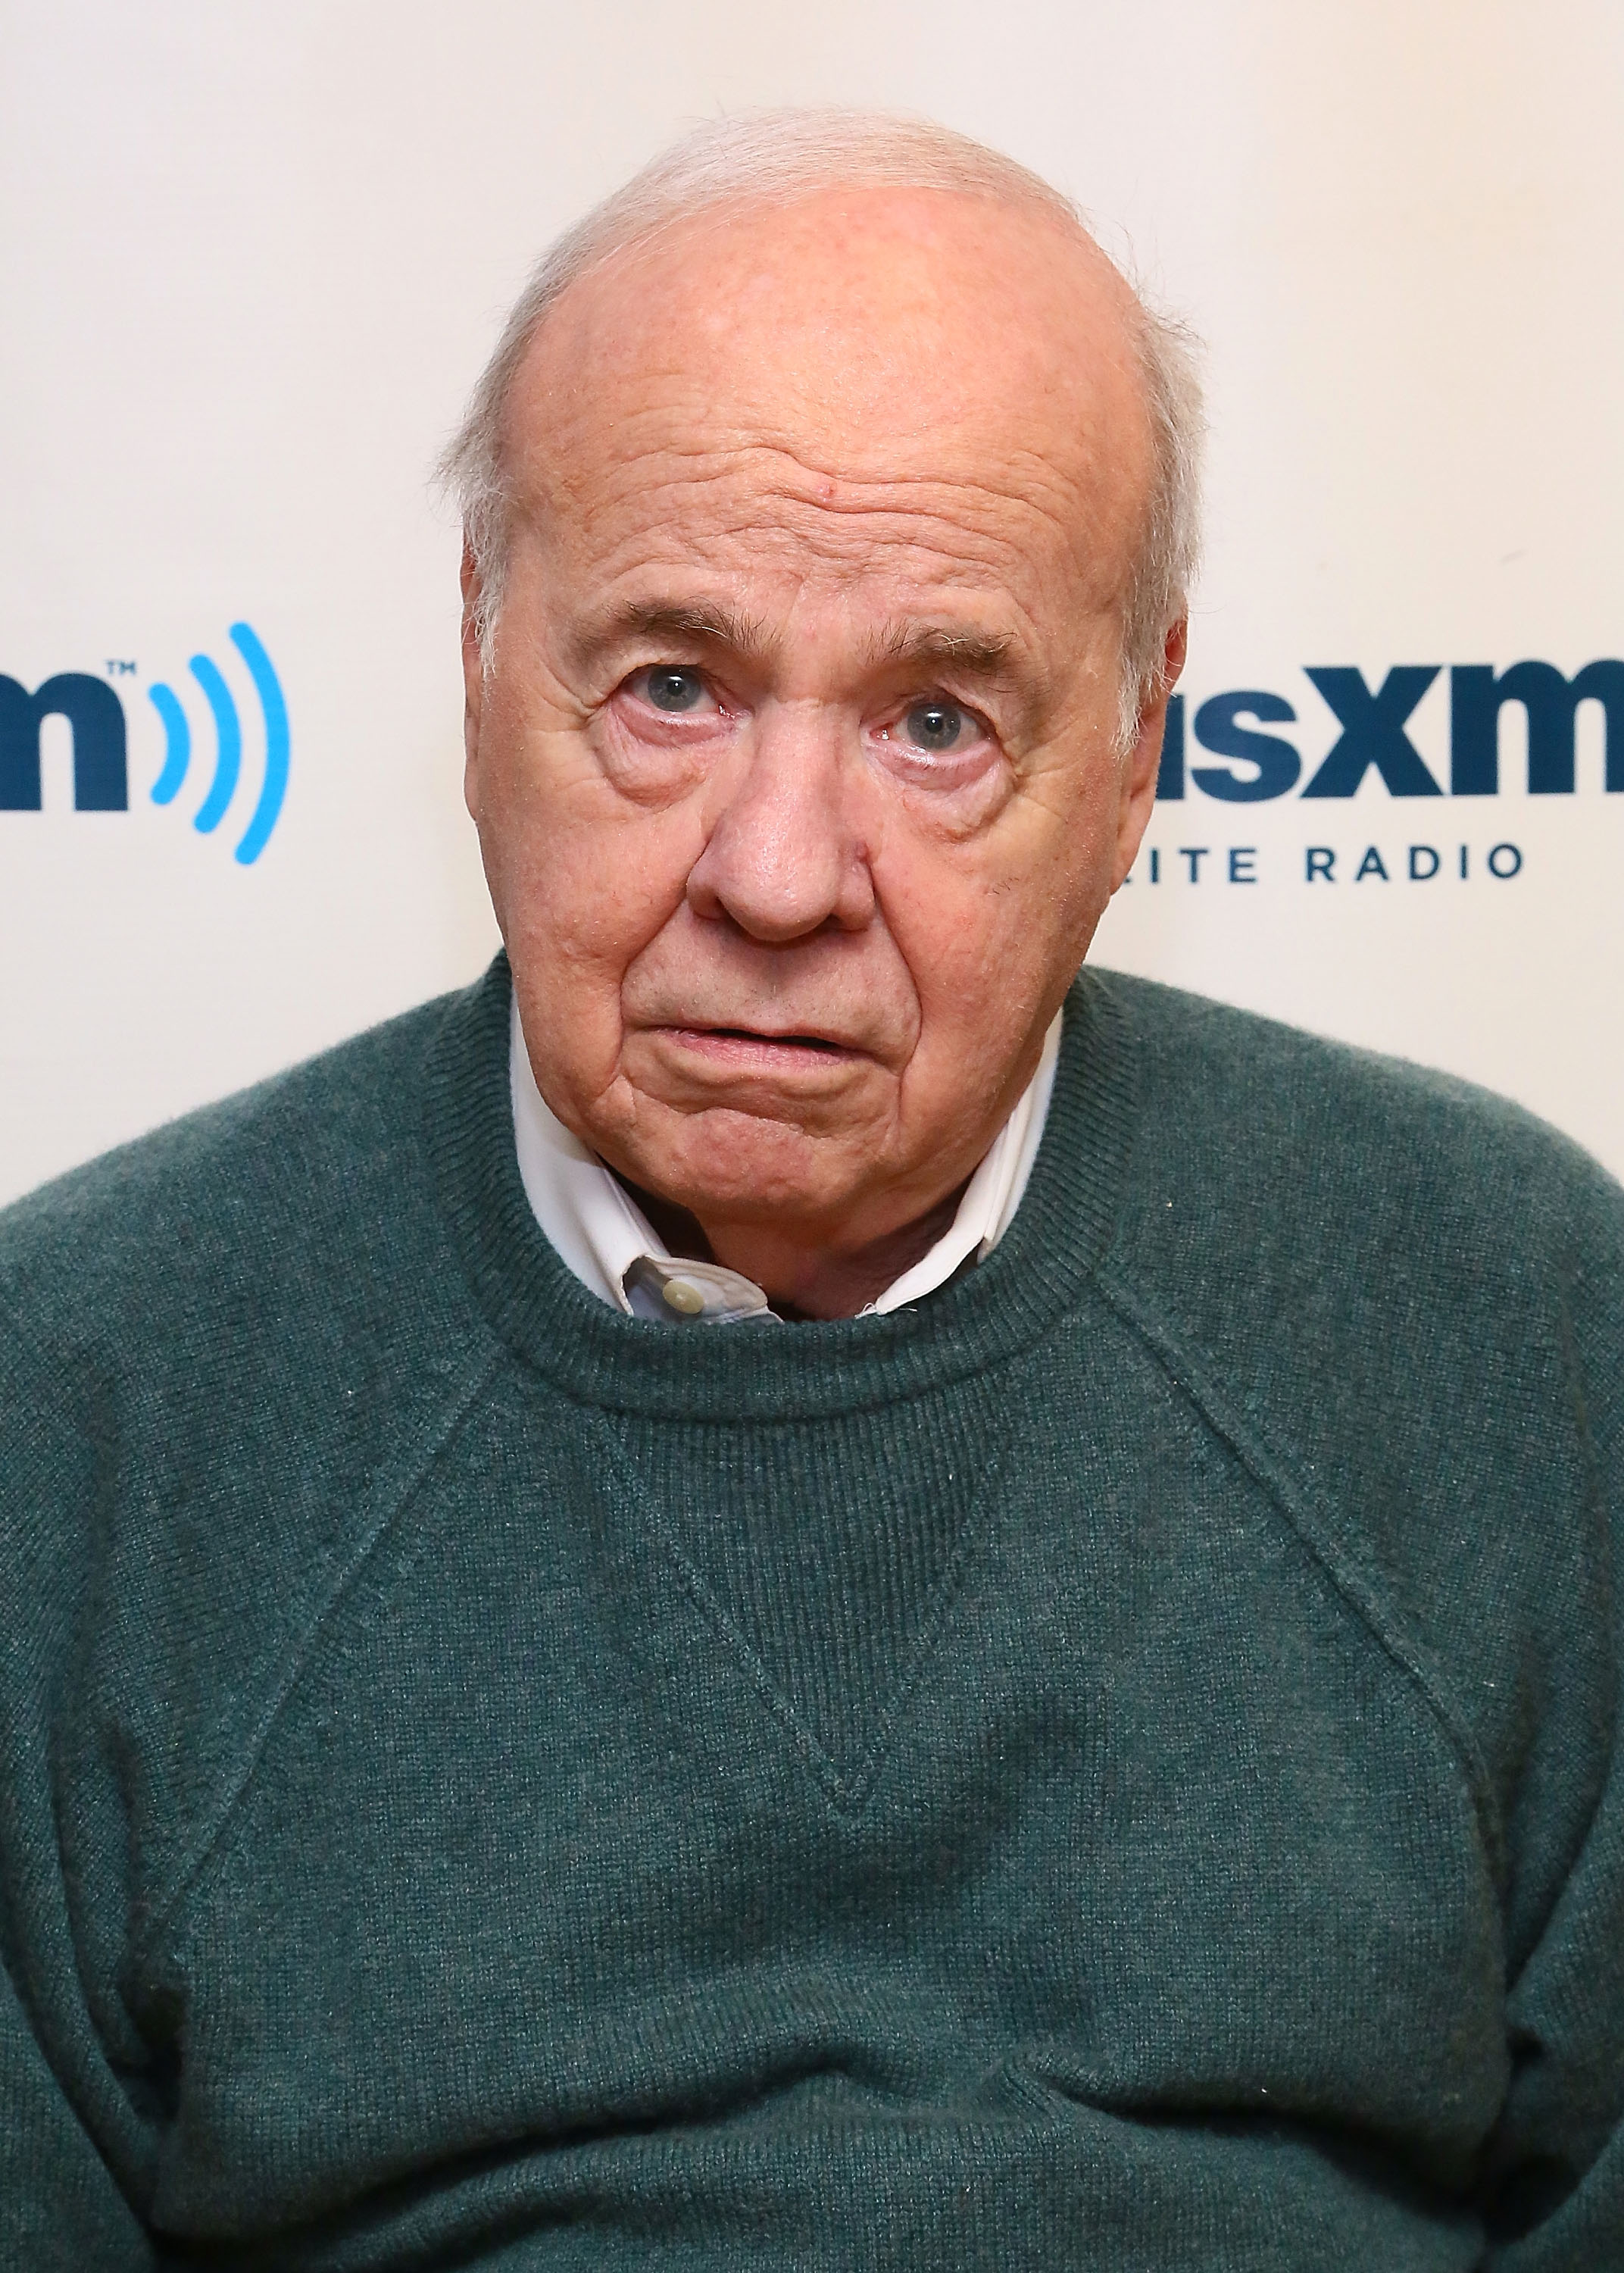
751,1169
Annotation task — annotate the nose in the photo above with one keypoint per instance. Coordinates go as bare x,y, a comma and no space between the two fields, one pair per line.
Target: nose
783,858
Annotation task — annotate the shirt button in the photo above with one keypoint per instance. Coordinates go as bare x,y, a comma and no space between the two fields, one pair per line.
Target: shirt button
681,1294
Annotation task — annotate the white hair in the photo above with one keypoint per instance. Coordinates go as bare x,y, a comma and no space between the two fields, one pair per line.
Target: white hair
776,157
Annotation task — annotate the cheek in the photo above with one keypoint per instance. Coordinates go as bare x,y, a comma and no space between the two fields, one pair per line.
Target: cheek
590,889
582,898
582,882
975,946
994,928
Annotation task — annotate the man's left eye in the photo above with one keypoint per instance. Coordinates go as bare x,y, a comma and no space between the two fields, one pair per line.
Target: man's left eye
673,688
939,726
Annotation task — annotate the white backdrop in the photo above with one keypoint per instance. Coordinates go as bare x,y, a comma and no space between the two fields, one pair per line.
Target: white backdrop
253,258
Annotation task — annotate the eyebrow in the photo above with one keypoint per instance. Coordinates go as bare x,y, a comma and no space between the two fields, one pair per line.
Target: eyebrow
974,654
701,621
968,651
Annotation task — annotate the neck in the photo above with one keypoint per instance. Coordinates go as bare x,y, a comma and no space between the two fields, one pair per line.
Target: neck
801,1281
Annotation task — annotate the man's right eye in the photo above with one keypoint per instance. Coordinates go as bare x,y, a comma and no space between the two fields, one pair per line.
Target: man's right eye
671,687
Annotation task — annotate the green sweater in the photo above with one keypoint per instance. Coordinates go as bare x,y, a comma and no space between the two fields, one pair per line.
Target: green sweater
1118,1766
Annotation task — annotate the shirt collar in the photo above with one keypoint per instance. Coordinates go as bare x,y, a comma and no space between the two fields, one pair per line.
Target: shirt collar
602,1233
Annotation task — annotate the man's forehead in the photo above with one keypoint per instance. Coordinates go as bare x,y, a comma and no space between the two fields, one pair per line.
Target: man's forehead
862,338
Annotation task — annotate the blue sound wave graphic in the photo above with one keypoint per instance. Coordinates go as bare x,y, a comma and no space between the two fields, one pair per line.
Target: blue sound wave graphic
167,787
228,744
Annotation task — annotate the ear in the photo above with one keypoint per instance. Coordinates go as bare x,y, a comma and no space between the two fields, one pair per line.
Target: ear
1139,775
473,680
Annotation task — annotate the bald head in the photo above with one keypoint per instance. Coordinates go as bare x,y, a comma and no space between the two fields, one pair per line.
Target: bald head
868,340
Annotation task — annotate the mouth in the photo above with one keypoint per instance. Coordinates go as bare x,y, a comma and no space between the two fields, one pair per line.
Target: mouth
753,1037
749,1047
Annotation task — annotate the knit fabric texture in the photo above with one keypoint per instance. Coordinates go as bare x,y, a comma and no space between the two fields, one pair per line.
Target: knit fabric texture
1118,1766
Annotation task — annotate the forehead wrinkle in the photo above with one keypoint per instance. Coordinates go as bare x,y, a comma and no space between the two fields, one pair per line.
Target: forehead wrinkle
925,536
775,467
680,533
1022,478
670,571
746,566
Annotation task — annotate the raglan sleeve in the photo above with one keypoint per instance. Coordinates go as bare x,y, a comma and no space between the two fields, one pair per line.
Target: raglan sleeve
1555,2195
75,2149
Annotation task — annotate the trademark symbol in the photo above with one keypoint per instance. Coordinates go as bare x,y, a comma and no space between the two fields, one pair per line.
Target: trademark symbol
117,668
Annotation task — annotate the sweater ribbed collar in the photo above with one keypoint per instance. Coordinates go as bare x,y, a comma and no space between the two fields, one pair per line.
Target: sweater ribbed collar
535,1303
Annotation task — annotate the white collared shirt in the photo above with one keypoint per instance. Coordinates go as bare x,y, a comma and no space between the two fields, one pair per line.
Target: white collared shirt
599,1230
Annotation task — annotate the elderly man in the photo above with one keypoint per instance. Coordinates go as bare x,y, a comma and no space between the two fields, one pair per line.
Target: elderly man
791,1588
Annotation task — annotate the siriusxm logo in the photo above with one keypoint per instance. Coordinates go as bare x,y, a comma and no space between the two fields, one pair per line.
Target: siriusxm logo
1253,766
95,719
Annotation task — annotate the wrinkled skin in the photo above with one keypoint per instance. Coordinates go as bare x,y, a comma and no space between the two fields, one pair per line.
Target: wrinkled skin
793,771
